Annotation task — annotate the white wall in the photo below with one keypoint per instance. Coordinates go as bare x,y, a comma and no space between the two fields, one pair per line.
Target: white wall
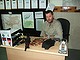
74,19
56,2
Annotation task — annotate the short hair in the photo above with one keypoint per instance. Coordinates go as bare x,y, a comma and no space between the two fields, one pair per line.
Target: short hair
49,11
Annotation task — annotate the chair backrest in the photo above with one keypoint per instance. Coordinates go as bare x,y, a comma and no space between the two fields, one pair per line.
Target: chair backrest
66,28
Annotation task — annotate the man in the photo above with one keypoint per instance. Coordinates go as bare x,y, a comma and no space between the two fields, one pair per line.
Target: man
51,28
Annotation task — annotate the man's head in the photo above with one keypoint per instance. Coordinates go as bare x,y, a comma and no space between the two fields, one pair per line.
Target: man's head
49,16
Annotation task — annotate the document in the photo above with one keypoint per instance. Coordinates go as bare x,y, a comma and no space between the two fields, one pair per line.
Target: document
42,3
34,3
27,4
14,4
8,4
20,4
2,4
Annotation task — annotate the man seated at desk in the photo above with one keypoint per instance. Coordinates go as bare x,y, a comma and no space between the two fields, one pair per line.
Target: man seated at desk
51,28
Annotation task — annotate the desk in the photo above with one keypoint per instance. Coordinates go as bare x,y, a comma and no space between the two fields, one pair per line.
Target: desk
34,53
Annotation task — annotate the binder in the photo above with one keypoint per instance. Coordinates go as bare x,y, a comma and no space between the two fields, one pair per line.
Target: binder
2,4
8,4
14,4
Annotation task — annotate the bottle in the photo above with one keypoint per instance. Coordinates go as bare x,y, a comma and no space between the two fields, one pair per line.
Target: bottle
27,42
63,47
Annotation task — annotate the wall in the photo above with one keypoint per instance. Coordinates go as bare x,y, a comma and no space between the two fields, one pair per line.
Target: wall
56,2
74,19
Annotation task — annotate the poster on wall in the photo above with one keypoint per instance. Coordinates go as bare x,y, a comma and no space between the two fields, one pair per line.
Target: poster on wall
20,4
14,4
2,4
12,21
6,37
28,19
8,4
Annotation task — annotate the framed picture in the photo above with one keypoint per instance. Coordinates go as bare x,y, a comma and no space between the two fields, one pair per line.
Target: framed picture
8,4
20,4
14,4
34,3
28,19
2,4
42,4
12,21
26,4
39,14
39,24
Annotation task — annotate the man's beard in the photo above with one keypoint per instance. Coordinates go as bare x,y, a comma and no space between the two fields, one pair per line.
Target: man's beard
50,21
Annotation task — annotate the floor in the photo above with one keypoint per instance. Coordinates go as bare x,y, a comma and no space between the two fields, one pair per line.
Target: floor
3,54
73,54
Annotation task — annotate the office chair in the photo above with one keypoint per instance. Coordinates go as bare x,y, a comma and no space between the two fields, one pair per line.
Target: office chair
66,28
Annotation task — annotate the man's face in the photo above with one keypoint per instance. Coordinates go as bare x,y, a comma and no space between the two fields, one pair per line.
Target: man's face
49,17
